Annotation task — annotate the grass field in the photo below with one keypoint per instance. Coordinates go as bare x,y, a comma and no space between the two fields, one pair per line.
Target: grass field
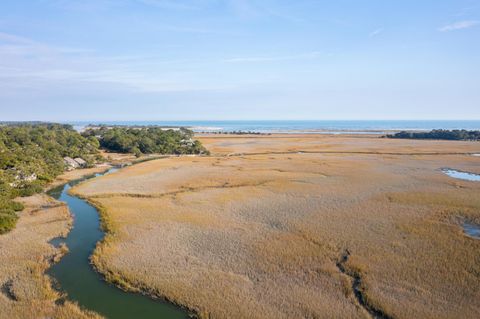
264,233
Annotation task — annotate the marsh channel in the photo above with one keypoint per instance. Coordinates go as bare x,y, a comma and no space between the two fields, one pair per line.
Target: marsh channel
75,275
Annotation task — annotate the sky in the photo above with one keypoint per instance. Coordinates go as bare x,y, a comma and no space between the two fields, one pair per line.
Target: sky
80,60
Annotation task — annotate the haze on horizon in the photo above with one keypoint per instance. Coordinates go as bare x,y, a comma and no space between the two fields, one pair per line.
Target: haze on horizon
74,60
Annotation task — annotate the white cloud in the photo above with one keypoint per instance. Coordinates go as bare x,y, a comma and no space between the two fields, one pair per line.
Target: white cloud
459,25
376,32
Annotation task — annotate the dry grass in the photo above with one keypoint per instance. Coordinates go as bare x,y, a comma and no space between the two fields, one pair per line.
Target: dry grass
260,236
26,292
328,143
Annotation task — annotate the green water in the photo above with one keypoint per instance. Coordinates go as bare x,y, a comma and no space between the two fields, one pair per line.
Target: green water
75,276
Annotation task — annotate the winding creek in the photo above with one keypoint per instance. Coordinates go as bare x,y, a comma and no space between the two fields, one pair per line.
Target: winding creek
75,276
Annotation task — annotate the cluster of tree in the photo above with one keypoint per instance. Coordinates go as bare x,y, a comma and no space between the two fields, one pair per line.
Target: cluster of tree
457,135
237,133
31,155
146,140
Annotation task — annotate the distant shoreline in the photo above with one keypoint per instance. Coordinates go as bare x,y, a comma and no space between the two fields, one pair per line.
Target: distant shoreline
364,127
327,127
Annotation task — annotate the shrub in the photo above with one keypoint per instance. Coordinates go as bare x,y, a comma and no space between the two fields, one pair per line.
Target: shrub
8,220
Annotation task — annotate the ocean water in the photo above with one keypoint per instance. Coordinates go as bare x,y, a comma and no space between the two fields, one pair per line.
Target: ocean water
336,127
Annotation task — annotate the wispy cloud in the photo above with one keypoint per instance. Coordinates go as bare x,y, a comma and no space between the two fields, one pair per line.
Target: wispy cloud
254,59
7,37
250,9
459,25
85,5
26,64
88,5
466,10
375,33
170,4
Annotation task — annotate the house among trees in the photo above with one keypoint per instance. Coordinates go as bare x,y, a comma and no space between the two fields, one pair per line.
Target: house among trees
187,142
81,162
74,163
70,163
22,177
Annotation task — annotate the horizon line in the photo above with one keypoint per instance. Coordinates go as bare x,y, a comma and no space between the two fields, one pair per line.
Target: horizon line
241,120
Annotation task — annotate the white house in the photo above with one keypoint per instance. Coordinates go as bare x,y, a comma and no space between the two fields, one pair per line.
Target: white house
70,163
81,162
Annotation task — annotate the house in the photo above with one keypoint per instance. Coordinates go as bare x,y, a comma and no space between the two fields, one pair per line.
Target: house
29,178
70,163
187,142
22,178
81,162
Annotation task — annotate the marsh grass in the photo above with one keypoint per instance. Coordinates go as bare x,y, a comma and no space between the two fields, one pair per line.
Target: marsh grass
180,229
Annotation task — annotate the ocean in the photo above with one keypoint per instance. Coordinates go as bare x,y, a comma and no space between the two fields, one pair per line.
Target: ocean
317,126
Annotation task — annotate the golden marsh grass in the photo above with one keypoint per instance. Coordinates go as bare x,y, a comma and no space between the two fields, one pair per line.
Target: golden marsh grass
261,236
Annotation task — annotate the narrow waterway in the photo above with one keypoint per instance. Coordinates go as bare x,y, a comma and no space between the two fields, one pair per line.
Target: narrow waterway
75,276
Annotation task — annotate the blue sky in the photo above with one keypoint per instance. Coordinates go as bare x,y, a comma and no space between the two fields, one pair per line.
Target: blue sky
239,59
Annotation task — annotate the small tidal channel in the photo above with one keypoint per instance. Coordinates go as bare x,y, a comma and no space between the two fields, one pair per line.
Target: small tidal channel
75,276
472,230
461,175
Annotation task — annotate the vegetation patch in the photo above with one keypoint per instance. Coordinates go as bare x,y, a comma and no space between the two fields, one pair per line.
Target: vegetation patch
451,135
32,155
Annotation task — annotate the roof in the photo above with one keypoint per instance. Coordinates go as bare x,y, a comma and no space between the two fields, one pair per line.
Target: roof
80,161
70,161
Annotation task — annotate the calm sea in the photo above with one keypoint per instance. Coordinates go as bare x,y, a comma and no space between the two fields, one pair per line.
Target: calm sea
338,127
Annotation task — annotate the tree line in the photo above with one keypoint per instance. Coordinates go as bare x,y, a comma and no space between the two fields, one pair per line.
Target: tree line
454,135
146,140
